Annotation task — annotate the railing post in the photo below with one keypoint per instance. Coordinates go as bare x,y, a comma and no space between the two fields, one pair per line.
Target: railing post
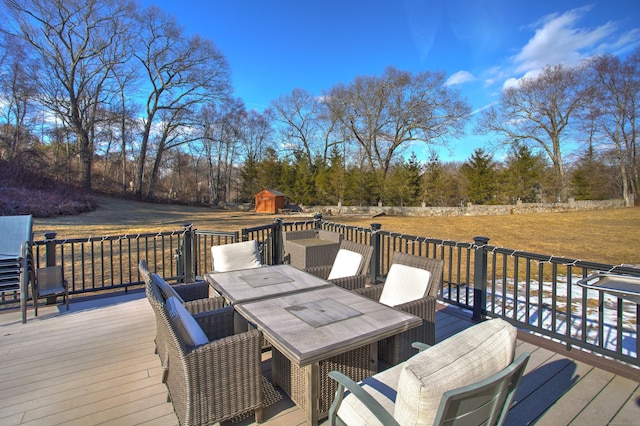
480,278
187,252
278,249
374,268
317,219
50,248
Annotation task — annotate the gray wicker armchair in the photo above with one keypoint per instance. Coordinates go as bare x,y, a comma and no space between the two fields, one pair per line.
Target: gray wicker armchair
215,381
199,305
359,279
396,349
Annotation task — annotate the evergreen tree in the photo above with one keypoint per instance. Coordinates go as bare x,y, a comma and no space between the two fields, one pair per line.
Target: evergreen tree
524,175
250,180
481,175
330,179
270,171
590,178
362,187
404,189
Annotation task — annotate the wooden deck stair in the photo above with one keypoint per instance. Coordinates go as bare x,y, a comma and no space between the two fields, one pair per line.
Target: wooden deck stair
95,364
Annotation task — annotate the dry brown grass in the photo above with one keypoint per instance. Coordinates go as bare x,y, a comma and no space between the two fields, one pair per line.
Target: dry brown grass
608,236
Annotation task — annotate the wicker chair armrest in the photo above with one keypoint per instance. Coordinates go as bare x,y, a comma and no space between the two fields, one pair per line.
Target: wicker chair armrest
372,292
320,271
424,308
216,324
192,291
204,305
237,346
351,283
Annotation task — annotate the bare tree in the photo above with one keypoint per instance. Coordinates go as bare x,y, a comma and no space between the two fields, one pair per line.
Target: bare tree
255,135
614,115
221,142
539,111
78,42
18,92
387,113
124,108
181,74
298,124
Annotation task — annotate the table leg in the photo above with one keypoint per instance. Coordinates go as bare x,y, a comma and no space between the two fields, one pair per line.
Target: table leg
313,392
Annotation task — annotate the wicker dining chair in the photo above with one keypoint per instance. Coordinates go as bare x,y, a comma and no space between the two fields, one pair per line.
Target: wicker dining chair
396,349
196,306
360,271
213,381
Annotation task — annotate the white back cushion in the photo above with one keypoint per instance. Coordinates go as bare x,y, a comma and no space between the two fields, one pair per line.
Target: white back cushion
465,358
404,284
347,264
233,257
186,326
165,288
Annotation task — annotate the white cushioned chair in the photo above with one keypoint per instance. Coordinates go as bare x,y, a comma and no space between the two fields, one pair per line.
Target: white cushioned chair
473,373
235,256
350,267
412,285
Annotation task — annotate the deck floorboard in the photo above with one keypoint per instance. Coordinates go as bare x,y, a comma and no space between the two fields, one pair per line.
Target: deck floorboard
96,365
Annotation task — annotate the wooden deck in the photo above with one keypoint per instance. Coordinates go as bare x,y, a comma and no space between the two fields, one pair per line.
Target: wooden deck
96,365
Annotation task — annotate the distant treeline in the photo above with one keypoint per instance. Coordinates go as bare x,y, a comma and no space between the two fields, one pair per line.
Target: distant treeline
111,96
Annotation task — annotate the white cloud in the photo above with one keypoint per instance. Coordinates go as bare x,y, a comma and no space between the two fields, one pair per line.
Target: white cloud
560,41
460,77
510,82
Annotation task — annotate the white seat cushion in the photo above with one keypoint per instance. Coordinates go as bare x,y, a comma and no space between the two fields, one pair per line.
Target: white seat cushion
165,288
186,326
463,359
347,264
382,387
404,284
233,257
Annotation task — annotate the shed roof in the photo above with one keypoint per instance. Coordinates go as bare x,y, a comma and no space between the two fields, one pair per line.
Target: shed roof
274,192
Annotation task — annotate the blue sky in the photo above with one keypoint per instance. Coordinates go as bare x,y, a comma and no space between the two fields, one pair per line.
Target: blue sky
275,46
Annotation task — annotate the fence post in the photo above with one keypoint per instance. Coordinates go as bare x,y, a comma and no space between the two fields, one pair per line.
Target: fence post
374,269
277,245
480,278
187,252
50,247
317,219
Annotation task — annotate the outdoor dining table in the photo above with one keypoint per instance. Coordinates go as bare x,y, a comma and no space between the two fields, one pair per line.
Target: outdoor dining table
319,330
259,283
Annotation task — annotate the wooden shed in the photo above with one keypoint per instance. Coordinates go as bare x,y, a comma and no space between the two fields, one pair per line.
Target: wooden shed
269,201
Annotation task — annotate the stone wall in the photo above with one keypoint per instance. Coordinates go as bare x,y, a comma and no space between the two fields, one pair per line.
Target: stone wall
468,210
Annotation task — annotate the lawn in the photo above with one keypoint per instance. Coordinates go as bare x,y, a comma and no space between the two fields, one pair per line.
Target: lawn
608,236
